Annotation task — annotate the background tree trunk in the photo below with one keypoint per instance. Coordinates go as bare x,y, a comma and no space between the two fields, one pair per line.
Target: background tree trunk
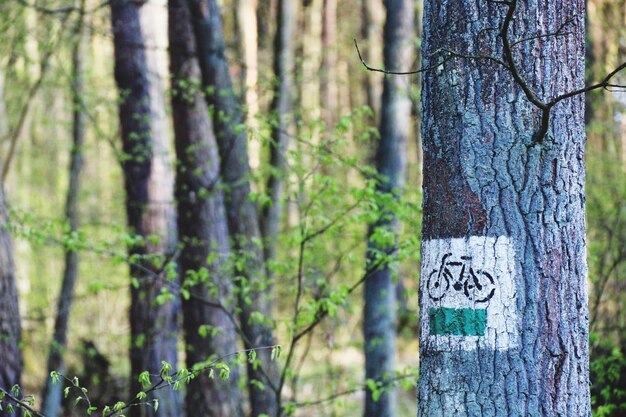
149,190
248,47
372,17
51,396
203,228
379,314
329,95
503,291
243,223
10,330
281,109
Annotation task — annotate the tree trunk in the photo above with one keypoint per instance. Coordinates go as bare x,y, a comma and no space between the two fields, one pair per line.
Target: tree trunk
379,315
248,46
203,228
51,396
328,71
256,295
503,290
148,179
10,327
10,330
281,109
371,25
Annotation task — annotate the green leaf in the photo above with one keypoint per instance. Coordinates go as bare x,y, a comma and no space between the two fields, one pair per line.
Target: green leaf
119,406
55,377
166,368
144,379
276,350
224,370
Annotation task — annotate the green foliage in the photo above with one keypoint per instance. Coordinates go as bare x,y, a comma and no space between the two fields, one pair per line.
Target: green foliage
608,379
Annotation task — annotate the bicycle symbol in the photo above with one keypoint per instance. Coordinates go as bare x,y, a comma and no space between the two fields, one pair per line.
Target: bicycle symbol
477,285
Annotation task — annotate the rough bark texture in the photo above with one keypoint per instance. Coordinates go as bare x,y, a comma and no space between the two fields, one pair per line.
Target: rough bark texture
281,109
51,397
243,224
149,193
10,330
491,192
203,228
379,317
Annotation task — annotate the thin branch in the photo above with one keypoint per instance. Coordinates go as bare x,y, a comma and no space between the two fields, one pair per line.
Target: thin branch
45,10
602,84
508,56
360,388
163,383
17,129
557,33
20,403
418,71
493,59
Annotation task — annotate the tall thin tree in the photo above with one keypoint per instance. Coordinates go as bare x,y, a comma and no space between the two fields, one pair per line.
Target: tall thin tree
329,96
51,397
281,110
379,313
10,328
148,178
203,229
503,306
255,293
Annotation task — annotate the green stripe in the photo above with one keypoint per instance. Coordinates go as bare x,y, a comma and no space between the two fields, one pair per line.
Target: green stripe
457,321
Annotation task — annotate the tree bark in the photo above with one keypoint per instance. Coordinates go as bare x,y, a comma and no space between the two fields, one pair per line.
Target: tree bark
281,109
51,396
10,330
203,227
379,317
503,290
255,292
148,180
10,327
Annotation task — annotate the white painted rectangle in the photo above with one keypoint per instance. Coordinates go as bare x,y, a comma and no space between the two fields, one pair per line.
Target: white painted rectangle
470,273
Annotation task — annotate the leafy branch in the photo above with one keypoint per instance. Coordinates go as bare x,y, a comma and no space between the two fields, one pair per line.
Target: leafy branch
166,379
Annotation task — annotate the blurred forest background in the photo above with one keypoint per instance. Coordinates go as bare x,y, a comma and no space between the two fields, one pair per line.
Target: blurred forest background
311,116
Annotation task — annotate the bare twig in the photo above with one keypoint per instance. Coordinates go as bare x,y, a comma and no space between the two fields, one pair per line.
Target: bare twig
558,32
418,71
511,66
332,397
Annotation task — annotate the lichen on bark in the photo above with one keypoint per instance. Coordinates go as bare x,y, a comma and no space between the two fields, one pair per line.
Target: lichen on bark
486,175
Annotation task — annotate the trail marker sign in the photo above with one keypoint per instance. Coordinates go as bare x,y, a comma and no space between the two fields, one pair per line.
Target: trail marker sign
468,294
